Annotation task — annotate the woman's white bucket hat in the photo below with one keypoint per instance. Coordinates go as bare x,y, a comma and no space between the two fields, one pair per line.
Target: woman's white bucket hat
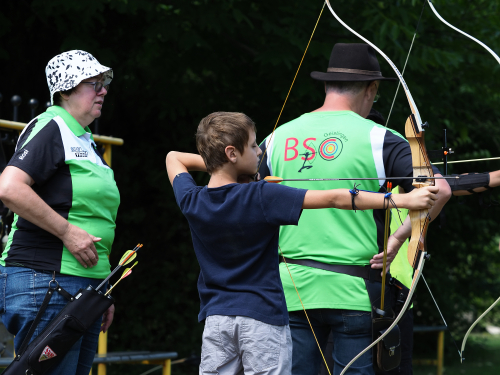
68,69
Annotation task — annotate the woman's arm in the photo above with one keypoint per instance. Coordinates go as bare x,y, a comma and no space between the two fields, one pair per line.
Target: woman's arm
181,162
341,198
17,194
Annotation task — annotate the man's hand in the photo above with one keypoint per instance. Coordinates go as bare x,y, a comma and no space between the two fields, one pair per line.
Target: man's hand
393,246
107,318
81,245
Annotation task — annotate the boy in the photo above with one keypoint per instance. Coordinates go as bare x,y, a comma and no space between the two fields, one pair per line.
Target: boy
235,229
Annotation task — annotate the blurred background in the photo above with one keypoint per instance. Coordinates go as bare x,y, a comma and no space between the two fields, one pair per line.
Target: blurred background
175,61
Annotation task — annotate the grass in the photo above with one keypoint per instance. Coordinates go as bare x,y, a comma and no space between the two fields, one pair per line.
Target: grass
482,357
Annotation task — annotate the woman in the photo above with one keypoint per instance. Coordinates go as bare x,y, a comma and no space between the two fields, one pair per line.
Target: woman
65,199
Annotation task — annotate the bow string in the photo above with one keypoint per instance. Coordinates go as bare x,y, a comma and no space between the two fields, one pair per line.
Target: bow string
268,142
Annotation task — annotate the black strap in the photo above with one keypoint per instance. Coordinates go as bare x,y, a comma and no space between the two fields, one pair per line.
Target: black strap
65,294
365,272
40,313
38,317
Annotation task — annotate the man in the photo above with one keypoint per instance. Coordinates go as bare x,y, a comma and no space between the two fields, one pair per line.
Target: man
337,141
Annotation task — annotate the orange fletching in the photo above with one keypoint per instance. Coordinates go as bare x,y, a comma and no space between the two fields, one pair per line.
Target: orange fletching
273,179
124,260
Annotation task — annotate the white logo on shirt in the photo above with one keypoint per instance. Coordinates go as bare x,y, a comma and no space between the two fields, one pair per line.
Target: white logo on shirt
25,152
79,152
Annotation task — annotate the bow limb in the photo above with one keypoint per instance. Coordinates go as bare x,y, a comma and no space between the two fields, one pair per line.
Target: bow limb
495,56
411,102
472,326
416,278
419,219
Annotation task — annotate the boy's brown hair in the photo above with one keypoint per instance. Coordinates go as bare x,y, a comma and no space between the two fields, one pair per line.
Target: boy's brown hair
219,130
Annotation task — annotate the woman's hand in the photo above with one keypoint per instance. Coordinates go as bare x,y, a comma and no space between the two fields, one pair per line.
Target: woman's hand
107,318
81,245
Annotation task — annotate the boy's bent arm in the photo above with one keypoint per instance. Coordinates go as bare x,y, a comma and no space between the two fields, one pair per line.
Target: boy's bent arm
180,162
418,199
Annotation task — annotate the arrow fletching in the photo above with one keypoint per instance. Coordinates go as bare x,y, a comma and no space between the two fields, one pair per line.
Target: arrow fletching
273,179
125,273
128,271
128,257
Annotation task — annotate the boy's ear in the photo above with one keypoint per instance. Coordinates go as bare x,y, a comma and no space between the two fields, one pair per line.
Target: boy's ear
231,154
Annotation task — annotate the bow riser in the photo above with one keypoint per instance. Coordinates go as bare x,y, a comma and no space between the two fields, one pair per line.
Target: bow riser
421,167
419,223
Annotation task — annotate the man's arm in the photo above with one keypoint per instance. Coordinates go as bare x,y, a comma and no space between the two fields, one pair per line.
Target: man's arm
494,181
181,162
342,199
404,231
397,239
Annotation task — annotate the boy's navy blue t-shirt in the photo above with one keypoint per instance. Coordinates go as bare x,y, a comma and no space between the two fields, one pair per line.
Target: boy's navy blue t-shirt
235,230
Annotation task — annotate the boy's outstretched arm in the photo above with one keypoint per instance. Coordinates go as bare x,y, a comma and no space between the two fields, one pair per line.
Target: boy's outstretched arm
417,199
179,162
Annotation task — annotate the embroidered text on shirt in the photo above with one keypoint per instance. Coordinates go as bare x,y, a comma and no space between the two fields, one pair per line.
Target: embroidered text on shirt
79,152
23,155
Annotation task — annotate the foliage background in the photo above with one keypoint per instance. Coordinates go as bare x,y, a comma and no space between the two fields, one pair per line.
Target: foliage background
176,61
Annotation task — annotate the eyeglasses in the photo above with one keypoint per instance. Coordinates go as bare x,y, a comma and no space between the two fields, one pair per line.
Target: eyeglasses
98,85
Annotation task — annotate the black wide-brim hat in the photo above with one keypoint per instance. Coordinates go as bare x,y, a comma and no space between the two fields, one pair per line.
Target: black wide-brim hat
352,62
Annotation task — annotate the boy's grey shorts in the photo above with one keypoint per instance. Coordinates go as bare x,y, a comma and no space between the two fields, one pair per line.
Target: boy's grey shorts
240,345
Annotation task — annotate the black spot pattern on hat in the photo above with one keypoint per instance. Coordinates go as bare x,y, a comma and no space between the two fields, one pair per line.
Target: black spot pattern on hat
68,69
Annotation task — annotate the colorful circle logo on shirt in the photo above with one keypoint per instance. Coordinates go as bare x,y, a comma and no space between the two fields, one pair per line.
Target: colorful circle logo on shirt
330,148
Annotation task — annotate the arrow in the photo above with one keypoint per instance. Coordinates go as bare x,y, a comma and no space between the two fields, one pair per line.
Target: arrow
128,257
125,273
277,180
386,237
466,161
